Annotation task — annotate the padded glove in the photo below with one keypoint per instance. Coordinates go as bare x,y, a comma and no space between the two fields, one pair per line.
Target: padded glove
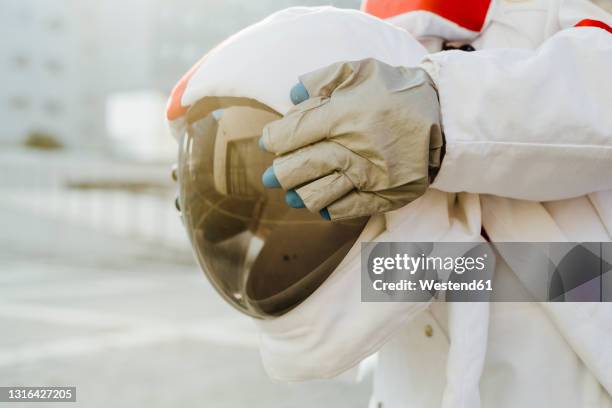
364,138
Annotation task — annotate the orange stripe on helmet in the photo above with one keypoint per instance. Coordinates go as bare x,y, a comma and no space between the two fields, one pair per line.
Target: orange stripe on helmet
175,109
469,14
594,23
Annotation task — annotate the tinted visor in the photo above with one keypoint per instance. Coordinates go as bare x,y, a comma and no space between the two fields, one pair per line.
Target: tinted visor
264,257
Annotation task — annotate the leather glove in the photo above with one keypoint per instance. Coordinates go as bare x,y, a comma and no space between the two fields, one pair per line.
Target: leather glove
364,138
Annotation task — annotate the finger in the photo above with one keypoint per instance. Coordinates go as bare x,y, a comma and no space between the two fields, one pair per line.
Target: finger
310,163
324,81
324,191
269,179
359,204
325,214
305,124
365,203
298,93
290,133
293,199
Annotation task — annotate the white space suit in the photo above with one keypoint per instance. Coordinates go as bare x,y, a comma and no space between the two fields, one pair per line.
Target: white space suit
498,354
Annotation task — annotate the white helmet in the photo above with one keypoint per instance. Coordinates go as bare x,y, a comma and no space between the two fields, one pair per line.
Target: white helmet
263,61
262,256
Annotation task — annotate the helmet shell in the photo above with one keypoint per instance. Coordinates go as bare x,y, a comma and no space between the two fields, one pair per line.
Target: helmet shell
263,61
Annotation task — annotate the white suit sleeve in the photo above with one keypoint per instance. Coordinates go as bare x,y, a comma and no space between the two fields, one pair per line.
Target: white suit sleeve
572,12
528,124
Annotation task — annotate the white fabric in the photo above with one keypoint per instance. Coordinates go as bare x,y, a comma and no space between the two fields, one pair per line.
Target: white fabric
537,355
264,61
424,24
519,151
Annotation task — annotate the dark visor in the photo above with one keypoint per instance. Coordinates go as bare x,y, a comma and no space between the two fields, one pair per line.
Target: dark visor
264,257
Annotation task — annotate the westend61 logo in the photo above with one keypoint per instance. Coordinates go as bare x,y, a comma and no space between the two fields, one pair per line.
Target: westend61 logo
467,272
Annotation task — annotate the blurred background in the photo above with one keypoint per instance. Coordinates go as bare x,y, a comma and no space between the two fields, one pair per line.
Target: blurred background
98,287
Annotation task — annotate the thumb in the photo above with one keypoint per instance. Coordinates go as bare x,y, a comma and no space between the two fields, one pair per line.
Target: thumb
324,81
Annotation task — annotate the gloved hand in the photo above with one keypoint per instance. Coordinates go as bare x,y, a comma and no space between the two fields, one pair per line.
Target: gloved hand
363,138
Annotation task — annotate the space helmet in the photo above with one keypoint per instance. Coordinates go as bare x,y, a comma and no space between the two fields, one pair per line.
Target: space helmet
262,256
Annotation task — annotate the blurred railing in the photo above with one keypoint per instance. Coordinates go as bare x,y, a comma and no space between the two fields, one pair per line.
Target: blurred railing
125,200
